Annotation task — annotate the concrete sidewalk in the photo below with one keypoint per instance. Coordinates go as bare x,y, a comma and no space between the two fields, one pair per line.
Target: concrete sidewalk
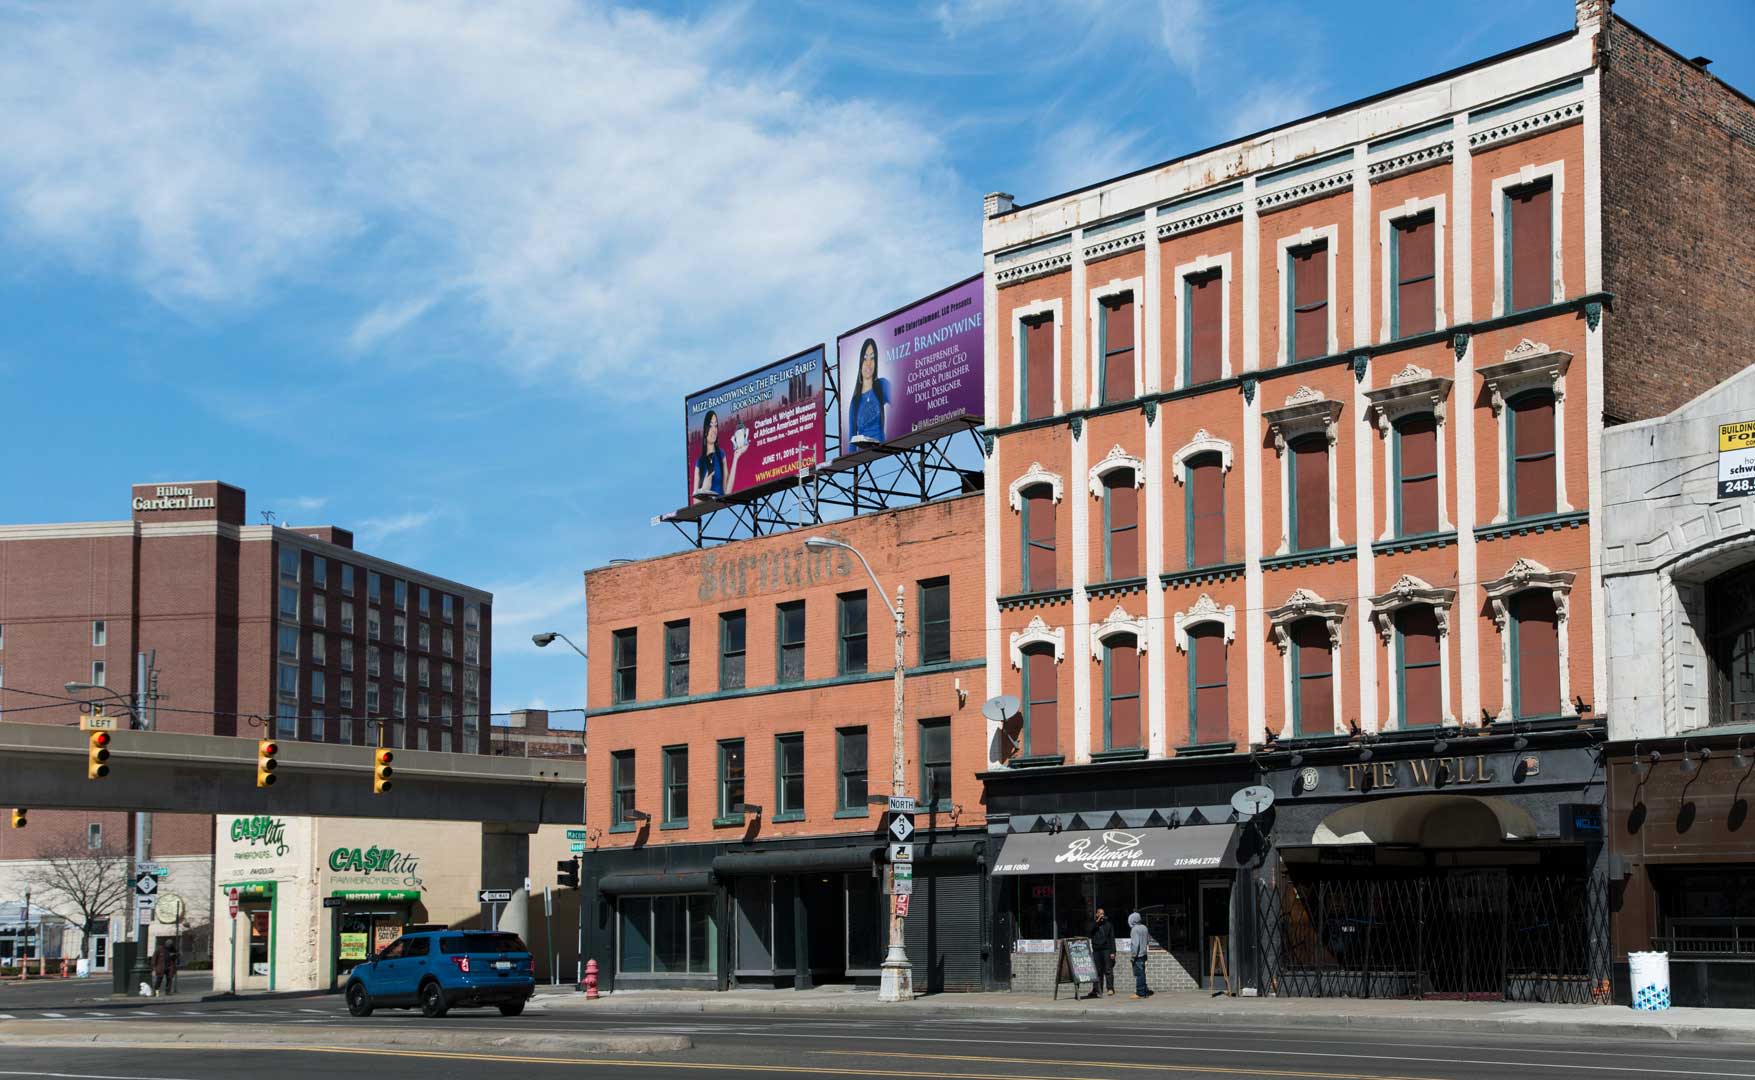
1592,1021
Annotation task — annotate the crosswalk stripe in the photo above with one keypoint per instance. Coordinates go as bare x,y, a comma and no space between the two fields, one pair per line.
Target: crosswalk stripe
56,1016
7,1016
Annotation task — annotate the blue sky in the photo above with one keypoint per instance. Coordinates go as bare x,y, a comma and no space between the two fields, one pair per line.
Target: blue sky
442,272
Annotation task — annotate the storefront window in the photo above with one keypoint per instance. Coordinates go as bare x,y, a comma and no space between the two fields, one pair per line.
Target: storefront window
1167,905
636,950
1036,906
866,932
667,935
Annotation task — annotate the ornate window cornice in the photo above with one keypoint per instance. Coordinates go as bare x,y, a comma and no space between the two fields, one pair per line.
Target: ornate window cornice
1031,477
1303,604
1529,366
1410,591
1117,458
1412,390
1205,610
1203,442
1117,623
1527,574
1306,412
1037,633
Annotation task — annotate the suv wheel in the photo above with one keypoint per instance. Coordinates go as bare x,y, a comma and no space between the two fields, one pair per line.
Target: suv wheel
432,1000
359,1003
511,1008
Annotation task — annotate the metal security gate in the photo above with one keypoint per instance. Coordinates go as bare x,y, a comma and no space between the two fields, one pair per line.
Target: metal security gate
943,932
1463,935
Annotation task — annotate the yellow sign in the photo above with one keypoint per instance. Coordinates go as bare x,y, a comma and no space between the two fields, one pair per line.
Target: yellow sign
353,946
1738,436
1736,459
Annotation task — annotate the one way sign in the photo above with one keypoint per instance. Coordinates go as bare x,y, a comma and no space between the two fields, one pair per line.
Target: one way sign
902,827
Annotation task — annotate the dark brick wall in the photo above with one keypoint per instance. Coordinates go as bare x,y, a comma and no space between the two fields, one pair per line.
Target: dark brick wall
1678,164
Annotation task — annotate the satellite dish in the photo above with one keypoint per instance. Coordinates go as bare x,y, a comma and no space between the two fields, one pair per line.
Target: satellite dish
1253,799
1001,708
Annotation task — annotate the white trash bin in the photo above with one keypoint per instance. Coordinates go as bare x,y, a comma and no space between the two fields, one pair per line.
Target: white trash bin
82,968
1649,974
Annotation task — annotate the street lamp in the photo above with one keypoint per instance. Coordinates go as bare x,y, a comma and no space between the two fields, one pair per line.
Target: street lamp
543,641
897,982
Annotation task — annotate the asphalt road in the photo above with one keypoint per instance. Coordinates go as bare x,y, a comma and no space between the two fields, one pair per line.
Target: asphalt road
964,1048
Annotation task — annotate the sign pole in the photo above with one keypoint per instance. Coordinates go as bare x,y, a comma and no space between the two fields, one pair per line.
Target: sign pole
897,981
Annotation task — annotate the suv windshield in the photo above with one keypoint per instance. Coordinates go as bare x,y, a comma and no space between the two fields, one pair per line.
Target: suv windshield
482,942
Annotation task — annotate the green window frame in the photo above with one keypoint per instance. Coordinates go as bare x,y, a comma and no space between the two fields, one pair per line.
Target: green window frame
622,791
1507,238
853,652
1292,306
789,777
733,644
1104,306
624,685
1110,697
935,620
1402,478
1044,548
1127,533
732,776
852,770
1513,458
1403,666
1195,686
1027,699
789,642
1194,462
1025,325
676,786
1295,653
934,757
1397,232
676,658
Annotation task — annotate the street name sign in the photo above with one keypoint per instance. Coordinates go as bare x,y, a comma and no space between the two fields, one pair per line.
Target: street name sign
577,847
333,901
155,869
575,834
902,804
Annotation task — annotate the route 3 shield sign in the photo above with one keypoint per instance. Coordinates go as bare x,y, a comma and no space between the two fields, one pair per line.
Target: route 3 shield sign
901,827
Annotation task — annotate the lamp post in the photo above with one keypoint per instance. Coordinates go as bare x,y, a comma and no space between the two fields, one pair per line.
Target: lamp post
141,971
543,641
897,982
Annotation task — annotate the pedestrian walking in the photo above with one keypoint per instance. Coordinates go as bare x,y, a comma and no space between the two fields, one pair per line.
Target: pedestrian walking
1139,941
172,958
1103,949
158,969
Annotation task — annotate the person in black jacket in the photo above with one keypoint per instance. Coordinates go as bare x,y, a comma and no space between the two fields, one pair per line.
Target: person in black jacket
1103,948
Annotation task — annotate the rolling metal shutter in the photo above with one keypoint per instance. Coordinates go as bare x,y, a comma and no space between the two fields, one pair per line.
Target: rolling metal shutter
945,928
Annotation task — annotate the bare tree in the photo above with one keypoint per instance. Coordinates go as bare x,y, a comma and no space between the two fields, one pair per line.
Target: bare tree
84,885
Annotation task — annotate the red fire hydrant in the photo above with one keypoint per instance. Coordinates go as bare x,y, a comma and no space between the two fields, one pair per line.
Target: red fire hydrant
590,980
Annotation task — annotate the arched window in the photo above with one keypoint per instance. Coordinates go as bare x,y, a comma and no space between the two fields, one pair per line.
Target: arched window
1121,692
1205,510
1530,433
1121,526
1535,654
1313,677
1419,668
1730,613
1040,736
1037,512
1208,692
1416,473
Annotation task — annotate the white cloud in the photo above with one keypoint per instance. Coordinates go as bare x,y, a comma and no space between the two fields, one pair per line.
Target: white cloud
1264,106
535,605
1183,26
553,170
376,529
304,504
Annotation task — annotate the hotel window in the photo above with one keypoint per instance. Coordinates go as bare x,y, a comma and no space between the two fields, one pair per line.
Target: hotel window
1038,538
935,621
731,778
789,630
289,563
1208,684
1121,693
374,586
852,653
446,607
1307,301
372,698
1115,377
1313,683
373,630
100,635
676,659
426,600
399,703
935,764
289,602
347,616
1414,269
319,572
373,666
319,649
94,836
288,685
1041,704
471,617
445,678
471,647
1307,516
850,764
1036,394
2,636
1416,473
97,672
319,609
1530,431
624,659
344,698
789,777
471,734
1535,654
318,731
1529,245
424,635
346,579
1121,526
676,785
423,672
1418,665
401,593
422,707
346,645
286,721
621,799
1203,327
1204,509
445,643
731,650
399,630
318,686
445,711
399,666
289,641
344,724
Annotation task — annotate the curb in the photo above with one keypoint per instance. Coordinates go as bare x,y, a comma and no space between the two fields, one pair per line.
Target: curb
121,1033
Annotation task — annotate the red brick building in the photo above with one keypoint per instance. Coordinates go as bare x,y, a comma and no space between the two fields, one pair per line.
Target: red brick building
254,630
741,717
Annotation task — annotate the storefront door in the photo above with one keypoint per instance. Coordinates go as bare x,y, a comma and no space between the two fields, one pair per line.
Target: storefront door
1215,925
255,956
100,952
359,933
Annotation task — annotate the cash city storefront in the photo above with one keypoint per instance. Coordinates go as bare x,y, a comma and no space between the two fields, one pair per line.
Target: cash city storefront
1440,864
316,896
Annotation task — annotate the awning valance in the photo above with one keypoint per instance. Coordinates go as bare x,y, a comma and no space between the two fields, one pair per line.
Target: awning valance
692,881
1192,847
795,860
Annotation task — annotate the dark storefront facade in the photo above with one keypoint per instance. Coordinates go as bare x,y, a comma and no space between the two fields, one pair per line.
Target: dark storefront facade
1442,865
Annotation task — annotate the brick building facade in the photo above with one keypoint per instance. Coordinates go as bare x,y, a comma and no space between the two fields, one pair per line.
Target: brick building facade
254,630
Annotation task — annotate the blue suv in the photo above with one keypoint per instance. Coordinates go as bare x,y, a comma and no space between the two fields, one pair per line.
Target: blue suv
434,970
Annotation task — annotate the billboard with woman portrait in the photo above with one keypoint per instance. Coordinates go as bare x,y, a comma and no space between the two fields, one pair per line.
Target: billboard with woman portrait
756,431
914,372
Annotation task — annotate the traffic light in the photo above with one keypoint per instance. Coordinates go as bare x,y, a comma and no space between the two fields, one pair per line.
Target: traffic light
266,750
569,877
96,760
381,771
19,820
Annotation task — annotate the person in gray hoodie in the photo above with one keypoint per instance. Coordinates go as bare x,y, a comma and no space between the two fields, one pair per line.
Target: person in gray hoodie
1138,941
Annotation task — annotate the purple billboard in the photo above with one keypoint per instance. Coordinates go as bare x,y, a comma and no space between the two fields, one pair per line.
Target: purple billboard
756,430
913,371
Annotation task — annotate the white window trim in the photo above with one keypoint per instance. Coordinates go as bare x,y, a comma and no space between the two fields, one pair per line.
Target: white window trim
100,633
1116,287
1387,221
1030,478
1117,458
1037,633
1203,264
1410,591
1528,174
1204,610
1204,442
1306,412
1303,604
1117,623
1056,310
1526,574
1411,391
1530,365
1283,249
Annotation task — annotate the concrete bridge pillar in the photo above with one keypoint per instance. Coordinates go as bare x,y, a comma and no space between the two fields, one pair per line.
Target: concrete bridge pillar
505,863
